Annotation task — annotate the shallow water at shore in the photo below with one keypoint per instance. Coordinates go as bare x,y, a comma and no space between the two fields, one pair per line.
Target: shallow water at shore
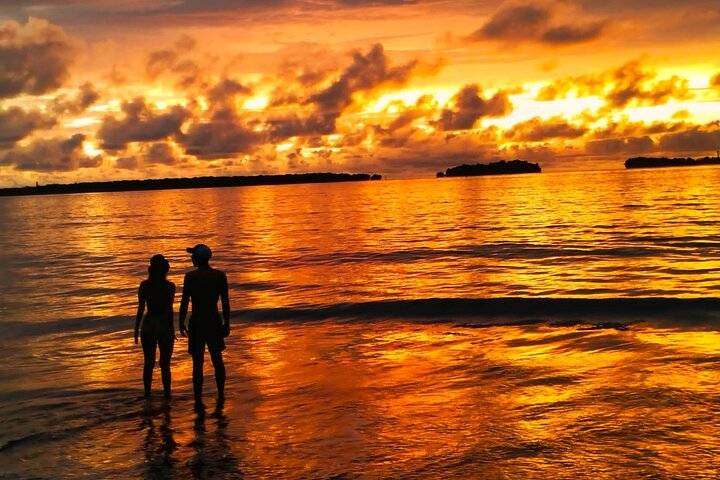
381,399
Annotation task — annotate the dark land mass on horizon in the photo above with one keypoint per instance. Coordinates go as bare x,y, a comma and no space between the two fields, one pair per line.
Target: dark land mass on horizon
178,183
497,168
652,162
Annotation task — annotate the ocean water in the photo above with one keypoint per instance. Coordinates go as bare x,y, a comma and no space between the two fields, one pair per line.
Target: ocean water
561,325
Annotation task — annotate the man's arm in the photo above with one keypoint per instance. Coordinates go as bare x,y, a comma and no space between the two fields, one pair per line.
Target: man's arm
140,311
225,299
184,305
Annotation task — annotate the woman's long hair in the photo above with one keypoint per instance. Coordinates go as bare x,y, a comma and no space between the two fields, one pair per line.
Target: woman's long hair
158,269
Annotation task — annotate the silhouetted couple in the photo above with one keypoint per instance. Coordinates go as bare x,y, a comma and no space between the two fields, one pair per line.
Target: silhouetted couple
203,288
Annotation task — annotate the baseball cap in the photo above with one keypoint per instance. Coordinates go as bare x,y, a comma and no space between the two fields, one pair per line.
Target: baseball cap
200,251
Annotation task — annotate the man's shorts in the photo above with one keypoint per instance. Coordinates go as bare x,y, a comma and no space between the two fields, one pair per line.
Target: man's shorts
205,331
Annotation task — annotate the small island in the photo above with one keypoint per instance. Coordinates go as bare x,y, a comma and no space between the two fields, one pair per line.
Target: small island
177,183
496,168
653,162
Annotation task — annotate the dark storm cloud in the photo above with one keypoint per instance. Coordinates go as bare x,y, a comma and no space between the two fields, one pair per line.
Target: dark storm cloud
699,139
86,96
617,146
370,3
17,123
161,153
34,58
225,135
538,129
294,125
83,11
224,92
160,61
526,23
127,163
514,23
212,6
468,106
140,123
569,34
629,84
174,63
93,13
51,155
154,154
658,22
626,7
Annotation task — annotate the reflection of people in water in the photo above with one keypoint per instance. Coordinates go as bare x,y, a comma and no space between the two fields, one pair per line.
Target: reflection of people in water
160,445
157,327
204,286
214,456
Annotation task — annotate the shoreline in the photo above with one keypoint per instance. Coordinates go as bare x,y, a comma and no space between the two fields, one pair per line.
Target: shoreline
183,183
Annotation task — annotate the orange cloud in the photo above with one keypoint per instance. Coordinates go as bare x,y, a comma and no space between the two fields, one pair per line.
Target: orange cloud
715,81
626,128
271,98
628,85
537,130
320,109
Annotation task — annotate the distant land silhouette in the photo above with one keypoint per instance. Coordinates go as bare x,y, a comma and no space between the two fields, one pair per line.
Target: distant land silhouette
196,182
496,168
651,162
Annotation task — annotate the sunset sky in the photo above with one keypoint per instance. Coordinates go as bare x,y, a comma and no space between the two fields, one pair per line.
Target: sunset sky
104,90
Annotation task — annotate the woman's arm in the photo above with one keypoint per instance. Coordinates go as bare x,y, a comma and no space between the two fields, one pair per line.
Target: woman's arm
171,313
140,310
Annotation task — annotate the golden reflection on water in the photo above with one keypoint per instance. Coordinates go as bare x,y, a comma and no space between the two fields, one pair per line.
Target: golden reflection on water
602,234
389,398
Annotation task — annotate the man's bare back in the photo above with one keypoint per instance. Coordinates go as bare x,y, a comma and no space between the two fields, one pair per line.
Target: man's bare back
203,288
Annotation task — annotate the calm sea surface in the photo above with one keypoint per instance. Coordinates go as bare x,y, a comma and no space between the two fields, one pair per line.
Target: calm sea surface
561,325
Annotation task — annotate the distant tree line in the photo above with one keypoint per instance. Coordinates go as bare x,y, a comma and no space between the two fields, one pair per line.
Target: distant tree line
497,168
175,183
650,162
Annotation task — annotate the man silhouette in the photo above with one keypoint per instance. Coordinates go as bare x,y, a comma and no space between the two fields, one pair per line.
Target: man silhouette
203,287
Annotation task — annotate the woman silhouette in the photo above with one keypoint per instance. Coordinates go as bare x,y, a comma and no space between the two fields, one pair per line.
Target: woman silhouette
157,326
